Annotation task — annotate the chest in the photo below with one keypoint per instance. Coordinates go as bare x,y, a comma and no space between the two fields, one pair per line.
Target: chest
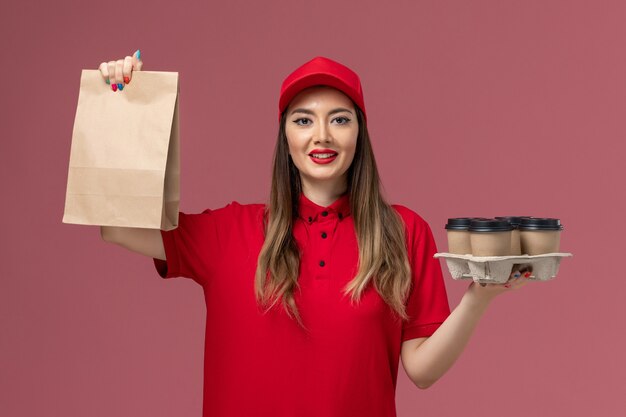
329,260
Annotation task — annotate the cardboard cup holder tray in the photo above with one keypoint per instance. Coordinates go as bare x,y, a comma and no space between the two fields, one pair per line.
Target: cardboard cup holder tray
498,269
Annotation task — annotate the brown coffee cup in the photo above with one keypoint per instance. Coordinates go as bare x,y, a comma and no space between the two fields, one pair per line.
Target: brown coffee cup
539,235
516,246
490,237
459,235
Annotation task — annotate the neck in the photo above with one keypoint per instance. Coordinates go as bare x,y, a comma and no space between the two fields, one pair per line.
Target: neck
323,194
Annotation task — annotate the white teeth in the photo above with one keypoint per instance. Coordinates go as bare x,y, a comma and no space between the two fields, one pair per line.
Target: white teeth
323,155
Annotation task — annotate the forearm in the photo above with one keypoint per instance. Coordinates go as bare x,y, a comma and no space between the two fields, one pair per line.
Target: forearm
438,353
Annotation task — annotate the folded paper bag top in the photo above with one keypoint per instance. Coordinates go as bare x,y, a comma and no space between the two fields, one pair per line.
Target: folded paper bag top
125,173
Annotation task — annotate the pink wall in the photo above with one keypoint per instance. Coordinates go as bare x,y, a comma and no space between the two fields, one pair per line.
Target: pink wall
475,108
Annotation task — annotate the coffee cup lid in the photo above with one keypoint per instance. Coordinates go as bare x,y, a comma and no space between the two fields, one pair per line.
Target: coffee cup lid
540,223
490,225
514,220
460,223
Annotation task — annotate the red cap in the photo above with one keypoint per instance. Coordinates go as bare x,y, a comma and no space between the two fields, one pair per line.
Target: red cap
321,71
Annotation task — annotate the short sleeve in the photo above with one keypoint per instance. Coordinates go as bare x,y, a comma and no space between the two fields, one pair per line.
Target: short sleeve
427,305
193,246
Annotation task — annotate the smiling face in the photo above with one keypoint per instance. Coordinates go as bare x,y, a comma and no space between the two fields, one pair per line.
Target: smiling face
321,122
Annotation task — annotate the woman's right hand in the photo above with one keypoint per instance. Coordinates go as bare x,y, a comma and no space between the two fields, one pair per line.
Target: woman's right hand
119,73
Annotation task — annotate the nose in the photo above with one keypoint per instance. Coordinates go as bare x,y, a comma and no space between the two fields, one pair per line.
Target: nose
322,133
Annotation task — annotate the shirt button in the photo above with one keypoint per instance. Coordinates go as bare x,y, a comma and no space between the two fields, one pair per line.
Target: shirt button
323,235
322,263
324,213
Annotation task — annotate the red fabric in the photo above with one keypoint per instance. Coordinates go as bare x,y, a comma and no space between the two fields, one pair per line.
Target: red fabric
266,365
321,71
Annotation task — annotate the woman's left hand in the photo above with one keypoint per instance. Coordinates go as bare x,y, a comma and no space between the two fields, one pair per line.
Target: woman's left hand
486,292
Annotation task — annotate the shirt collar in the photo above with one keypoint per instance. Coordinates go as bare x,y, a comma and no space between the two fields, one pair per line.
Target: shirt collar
310,212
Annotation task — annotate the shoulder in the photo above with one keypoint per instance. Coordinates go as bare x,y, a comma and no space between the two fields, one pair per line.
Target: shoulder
235,209
232,209
419,234
411,219
235,212
236,206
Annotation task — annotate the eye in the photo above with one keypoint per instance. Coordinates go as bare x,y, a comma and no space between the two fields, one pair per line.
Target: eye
301,119
344,119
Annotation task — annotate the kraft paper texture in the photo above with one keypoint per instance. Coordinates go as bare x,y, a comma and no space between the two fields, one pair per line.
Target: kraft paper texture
124,167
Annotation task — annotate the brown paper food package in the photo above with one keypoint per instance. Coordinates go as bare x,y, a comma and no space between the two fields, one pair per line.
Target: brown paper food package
124,167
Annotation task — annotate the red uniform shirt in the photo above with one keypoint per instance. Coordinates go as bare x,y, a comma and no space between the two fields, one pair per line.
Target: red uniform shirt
266,365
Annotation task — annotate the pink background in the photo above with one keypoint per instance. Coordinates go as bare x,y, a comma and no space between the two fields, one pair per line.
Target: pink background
479,108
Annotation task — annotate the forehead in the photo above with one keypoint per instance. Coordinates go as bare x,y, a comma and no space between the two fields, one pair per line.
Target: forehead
321,94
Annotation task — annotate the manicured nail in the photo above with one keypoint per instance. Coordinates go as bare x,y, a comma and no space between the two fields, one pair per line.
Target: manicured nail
507,285
107,81
516,275
527,274
120,87
127,80
138,54
114,87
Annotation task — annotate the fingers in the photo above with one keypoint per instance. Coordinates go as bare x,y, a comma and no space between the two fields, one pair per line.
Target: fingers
119,73
521,270
104,70
127,69
516,281
136,61
111,67
521,274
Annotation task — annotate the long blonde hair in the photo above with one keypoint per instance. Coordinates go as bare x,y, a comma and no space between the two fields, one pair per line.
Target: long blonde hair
379,229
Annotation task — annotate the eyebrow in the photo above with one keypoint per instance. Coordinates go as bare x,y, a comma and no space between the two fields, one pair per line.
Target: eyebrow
337,110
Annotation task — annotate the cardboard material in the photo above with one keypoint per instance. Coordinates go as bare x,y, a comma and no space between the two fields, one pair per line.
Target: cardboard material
124,167
498,269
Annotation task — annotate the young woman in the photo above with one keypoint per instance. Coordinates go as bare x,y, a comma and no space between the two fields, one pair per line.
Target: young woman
314,297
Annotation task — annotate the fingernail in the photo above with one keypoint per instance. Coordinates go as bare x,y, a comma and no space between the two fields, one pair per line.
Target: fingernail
507,285
138,54
120,87
527,274
127,80
107,81
114,87
516,275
